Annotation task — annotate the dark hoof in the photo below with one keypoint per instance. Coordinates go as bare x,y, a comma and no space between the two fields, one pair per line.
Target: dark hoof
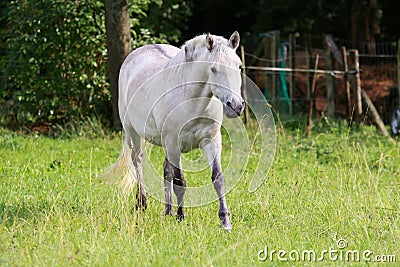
180,217
181,214
169,211
227,227
225,221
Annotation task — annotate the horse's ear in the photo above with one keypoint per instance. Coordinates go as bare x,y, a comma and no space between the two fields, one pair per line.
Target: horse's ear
187,55
209,42
234,40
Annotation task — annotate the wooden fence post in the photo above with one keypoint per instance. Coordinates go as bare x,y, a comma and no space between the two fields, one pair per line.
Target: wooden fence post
309,60
330,90
347,82
268,92
244,89
357,86
277,42
358,81
398,65
292,65
273,57
374,114
271,53
312,99
274,51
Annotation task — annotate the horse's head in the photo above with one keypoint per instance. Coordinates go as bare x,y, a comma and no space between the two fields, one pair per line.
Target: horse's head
221,68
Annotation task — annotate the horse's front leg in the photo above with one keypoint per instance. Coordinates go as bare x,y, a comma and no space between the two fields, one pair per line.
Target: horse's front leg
169,209
213,149
173,178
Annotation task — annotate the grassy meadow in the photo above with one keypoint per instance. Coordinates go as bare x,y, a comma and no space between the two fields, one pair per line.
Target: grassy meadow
335,194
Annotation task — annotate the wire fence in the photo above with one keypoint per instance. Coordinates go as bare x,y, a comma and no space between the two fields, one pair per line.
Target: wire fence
284,71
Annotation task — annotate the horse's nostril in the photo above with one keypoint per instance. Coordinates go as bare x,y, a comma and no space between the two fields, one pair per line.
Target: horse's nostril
229,104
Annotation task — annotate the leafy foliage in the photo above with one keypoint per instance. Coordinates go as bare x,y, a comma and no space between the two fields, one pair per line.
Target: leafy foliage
168,19
53,63
157,21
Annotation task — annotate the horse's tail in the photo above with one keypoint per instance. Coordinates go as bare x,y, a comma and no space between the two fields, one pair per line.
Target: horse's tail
122,168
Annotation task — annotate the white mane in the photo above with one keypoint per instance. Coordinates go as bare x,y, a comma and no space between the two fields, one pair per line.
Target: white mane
193,49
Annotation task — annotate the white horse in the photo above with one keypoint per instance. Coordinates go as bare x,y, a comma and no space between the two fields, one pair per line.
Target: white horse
176,98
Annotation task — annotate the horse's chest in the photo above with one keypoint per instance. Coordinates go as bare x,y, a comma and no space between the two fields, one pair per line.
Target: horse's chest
191,136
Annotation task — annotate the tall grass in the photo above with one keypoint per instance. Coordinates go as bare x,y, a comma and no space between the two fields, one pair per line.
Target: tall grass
338,185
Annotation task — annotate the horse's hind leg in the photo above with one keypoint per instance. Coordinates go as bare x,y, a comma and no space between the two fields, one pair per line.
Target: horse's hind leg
141,192
137,159
173,175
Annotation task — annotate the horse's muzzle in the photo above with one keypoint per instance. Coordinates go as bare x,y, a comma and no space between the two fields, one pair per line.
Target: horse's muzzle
233,110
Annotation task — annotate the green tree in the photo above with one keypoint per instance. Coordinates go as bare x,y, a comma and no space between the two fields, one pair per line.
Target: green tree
118,46
167,20
53,56
54,61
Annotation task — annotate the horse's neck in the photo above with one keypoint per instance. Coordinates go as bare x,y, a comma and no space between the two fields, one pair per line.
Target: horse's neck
193,80
178,59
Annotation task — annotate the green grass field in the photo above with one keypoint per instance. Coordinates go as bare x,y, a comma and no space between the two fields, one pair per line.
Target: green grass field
335,194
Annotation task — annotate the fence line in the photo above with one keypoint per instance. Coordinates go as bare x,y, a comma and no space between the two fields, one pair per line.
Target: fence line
330,72
289,69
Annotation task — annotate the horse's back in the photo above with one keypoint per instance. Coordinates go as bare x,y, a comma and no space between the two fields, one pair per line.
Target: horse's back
156,55
143,62
139,66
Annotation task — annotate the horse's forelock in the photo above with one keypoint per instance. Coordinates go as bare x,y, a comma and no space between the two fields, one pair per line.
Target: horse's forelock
219,49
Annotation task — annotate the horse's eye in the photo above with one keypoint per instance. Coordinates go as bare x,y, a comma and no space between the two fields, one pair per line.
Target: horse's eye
213,69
